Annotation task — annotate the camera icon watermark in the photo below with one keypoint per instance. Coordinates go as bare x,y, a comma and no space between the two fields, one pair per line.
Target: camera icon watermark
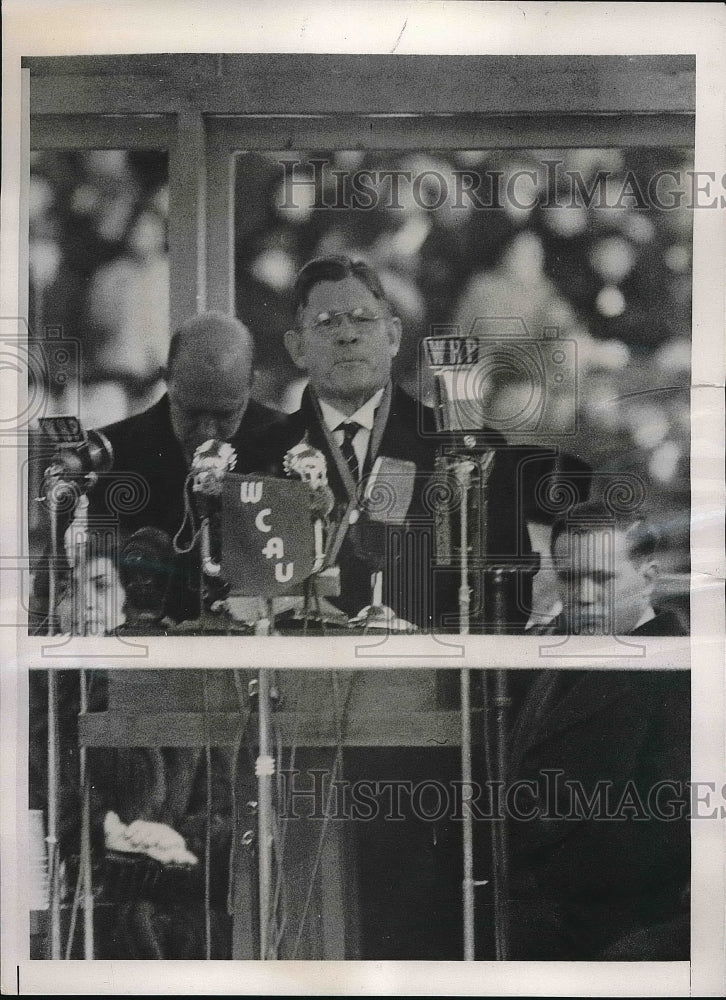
35,370
498,377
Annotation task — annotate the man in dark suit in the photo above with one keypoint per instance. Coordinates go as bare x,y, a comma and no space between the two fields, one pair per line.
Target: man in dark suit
208,376
345,339
611,883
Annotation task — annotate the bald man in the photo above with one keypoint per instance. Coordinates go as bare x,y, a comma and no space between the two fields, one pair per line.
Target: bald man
208,377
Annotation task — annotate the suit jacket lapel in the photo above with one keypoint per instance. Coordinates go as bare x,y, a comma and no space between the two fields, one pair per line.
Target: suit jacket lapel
380,426
318,438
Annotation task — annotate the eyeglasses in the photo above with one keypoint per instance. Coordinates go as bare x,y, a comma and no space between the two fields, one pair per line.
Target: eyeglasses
333,321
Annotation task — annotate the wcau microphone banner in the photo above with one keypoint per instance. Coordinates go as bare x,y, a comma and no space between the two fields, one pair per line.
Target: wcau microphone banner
268,545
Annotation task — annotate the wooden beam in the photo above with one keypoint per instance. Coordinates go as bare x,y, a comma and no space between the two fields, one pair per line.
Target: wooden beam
432,729
102,131
333,84
187,220
220,226
446,132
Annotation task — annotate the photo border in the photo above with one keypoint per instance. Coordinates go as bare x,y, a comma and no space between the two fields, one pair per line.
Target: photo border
55,28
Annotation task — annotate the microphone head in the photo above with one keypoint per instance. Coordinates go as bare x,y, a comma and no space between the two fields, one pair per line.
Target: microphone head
308,464
79,452
210,464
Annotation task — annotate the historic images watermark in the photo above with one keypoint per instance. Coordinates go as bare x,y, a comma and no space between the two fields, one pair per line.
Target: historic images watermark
316,183
41,366
317,793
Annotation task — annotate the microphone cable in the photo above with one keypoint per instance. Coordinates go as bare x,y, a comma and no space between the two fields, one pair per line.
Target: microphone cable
189,516
340,715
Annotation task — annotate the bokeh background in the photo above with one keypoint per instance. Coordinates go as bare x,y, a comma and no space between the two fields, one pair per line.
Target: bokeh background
616,280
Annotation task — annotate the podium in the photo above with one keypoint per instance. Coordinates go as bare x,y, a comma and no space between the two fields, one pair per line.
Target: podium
379,710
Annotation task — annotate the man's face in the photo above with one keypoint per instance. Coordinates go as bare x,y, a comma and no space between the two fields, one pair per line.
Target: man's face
208,396
346,361
603,591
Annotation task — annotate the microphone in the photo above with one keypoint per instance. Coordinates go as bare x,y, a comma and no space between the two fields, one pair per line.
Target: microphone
211,462
308,464
79,458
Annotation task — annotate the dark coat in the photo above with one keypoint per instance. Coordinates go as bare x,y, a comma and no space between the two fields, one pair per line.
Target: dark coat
145,487
421,593
579,884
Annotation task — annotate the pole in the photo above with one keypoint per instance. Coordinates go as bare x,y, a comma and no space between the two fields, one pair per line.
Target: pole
85,860
55,928
52,567
468,899
265,770
463,470
499,833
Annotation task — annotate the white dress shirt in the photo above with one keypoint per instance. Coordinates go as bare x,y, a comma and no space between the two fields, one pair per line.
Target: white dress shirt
363,416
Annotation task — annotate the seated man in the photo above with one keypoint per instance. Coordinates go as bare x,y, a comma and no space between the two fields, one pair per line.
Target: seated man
607,572
599,847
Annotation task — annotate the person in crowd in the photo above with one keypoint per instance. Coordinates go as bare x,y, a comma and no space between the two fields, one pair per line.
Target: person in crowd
90,599
345,339
609,880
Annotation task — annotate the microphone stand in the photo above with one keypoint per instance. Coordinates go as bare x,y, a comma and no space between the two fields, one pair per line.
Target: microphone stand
463,469
85,859
495,741
52,838
495,738
80,626
265,766
54,488
264,770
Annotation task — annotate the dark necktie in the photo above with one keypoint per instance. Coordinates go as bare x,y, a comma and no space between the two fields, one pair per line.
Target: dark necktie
350,429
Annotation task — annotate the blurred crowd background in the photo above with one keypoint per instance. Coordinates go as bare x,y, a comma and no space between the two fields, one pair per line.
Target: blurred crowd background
614,280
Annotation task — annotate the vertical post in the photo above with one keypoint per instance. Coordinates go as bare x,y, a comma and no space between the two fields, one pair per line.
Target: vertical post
85,859
79,570
187,224
499,833
468,866
220,224
463,470
264,809
55,928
